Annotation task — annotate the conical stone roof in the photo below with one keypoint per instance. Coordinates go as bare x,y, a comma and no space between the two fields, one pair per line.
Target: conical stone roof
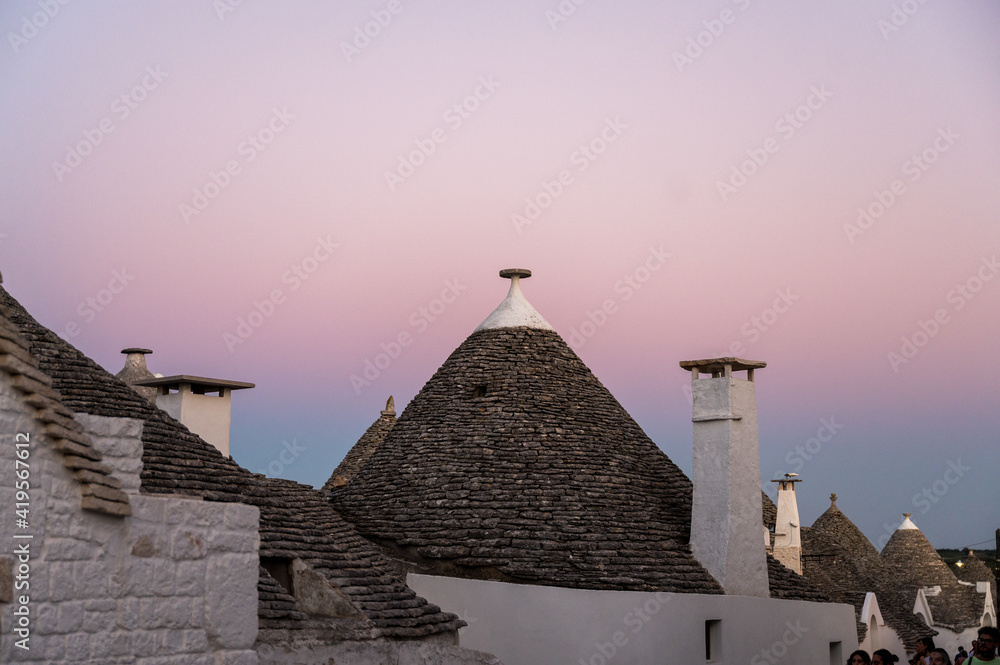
914,560
515,457
363,449
974,570
916,564
515,463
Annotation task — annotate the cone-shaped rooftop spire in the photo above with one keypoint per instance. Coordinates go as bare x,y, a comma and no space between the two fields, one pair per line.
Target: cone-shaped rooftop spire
515,311
914,559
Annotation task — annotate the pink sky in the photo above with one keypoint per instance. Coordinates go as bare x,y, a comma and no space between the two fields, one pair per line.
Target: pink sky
309,136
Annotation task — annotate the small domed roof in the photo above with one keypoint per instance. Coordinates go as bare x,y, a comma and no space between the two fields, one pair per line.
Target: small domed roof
916,564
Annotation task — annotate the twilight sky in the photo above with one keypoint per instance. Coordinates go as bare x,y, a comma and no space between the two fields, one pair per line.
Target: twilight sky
277,192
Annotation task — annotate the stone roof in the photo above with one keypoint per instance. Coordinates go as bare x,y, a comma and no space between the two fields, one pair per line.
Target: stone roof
295,520
915,561
100,490
769,511
789,585
515,463
974,570
841,561
363,449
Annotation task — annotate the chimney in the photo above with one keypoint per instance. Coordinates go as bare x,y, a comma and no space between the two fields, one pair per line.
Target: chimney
200,404
135,370
726,513
787,536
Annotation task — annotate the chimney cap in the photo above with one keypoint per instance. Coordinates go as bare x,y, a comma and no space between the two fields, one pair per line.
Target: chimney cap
710,365
200,381
508,273
789,478
134,349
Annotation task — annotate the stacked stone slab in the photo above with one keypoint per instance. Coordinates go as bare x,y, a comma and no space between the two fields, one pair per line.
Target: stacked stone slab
296,523
841,561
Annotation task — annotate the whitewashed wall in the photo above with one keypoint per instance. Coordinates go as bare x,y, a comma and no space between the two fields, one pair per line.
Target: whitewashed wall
537,625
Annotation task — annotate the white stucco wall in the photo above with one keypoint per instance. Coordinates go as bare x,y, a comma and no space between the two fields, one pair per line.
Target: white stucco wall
536,625
879,635
208,416
949,640
173,584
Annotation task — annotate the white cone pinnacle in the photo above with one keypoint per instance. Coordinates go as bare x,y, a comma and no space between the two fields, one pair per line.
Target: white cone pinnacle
515,311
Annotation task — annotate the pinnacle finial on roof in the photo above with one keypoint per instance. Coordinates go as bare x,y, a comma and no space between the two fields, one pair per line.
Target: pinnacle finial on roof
390,407
833,499
515,311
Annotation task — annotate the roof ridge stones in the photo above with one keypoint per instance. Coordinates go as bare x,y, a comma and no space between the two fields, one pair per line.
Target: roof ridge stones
295,520
101,491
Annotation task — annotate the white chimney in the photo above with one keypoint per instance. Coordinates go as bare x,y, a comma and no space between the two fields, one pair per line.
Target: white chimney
726,511
202,405
787,536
